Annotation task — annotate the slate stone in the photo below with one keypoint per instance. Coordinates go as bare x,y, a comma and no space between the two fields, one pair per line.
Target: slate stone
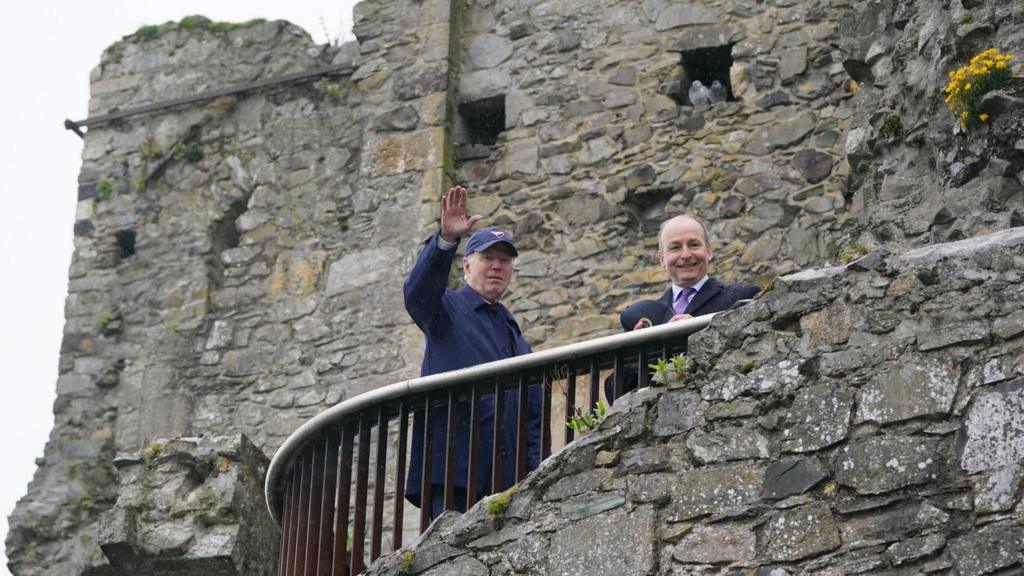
488,50
801,532
879,464
915,548
913,388
646,488
677,15
941,333
678,411
818,417
589,505
999,490
578,484
417,83
703,491
460,566
645,460
892,523
623,76
717,544
790,477
625,541
789,129
813,165
727,444
84,228
993,432
988,549
401,118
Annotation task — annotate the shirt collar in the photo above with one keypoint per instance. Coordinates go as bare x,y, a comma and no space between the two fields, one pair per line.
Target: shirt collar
474,299
696,288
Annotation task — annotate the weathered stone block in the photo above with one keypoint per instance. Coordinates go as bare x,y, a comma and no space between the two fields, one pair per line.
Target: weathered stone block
727,444
713,490
993,434
990,548
627,545
882,463
717,544
790,477
819,417
908,390
678,411
801,532
191,505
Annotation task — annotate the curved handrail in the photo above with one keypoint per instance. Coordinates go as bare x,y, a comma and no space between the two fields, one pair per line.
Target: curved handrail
309,430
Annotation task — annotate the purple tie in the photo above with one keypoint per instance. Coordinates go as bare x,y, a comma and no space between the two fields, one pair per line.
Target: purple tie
683,300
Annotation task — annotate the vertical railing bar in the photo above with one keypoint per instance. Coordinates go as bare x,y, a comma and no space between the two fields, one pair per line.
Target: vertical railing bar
664,349
643,375
473,466
379,479
522,411
618,378
298,566
498,438
403,439
595,382
545,415
449,454
316,494
330,487
362,478
570,400
340,564
288,524
426,479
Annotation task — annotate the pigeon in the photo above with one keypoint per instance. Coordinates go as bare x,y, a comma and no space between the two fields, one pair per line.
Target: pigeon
699,94
718,92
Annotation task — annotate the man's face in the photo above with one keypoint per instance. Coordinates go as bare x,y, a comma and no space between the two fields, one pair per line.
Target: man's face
684,253
489,272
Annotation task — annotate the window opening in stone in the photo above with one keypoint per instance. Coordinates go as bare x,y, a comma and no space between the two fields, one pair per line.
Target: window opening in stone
225,231
707,65
125,242
483,120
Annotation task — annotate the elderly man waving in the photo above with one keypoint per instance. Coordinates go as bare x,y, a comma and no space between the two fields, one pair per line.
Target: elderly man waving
463,328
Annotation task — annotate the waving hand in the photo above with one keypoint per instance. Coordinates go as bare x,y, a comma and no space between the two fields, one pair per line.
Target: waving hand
454,223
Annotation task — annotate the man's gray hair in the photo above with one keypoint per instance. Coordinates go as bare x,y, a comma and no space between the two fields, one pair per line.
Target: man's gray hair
661,229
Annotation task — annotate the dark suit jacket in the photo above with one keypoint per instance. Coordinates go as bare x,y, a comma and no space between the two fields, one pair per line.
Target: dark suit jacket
712,297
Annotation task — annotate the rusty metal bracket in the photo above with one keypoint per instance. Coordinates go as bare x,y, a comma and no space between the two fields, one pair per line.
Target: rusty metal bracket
297,77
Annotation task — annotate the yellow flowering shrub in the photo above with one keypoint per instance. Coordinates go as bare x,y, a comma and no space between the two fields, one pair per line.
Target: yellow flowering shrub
986,72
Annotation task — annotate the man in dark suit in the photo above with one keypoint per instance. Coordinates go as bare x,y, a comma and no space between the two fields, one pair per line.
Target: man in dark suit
685,252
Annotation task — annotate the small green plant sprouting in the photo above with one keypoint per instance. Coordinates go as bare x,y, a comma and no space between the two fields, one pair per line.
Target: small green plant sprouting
583,422
105,319
332,89
853,251
151,150
188,152
140,182
104,189
152,450
677,368
498,504
405,563
147,33
892,128
967,19
987,71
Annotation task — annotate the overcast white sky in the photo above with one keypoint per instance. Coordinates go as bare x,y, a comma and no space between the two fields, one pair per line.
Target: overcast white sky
47,50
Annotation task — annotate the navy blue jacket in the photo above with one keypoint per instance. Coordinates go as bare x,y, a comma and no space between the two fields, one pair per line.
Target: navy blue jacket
462,329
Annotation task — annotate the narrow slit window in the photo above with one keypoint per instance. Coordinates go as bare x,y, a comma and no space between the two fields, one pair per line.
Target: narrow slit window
125,243
483,120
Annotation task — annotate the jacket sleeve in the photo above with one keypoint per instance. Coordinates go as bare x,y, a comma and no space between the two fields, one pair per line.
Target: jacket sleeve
424,288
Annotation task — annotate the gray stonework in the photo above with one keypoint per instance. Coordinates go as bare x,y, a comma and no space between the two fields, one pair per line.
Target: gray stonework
272,231
933,491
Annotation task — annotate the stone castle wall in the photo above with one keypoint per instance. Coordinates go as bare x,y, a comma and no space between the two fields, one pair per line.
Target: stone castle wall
237,264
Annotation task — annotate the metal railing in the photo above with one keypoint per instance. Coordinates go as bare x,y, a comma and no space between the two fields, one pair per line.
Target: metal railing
309,486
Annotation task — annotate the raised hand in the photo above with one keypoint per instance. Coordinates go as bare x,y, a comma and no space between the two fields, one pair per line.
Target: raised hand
454,223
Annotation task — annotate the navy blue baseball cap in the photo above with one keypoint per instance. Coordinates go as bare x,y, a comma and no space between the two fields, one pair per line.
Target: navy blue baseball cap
484,238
